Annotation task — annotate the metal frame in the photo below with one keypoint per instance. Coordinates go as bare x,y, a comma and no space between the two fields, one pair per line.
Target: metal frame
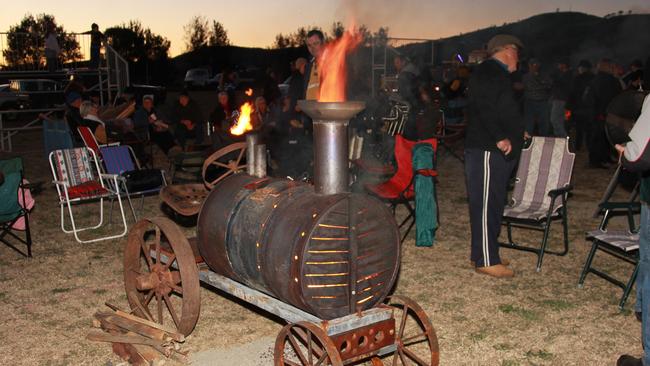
292,314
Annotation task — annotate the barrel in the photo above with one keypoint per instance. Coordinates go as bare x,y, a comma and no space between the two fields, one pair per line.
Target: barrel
330,255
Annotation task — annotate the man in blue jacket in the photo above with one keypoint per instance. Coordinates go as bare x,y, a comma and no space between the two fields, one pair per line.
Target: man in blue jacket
494,139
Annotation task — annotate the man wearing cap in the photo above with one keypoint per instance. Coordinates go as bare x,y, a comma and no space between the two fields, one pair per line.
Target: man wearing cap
493,142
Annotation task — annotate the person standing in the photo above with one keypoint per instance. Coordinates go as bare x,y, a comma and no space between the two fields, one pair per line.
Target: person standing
536,94
316,46
52,49
602,89
561,85
96,38
635,156
580,111
493,142
407,88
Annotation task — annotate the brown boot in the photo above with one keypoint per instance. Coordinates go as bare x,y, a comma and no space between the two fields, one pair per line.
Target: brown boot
505,262
497,270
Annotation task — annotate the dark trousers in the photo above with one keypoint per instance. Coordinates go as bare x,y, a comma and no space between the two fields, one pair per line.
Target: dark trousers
487,175
597,144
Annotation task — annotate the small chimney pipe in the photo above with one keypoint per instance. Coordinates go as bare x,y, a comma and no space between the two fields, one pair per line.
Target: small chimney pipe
331,170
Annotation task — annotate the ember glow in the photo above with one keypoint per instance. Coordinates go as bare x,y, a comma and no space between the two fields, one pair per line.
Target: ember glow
332,67
249,92
243,124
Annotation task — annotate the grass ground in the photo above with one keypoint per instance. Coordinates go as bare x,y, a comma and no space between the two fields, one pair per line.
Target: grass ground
47,302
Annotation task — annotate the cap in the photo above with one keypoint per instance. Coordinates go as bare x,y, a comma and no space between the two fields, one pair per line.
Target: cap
501,40
71,97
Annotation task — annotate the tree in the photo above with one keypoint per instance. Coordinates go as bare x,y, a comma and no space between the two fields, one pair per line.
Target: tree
295,39
218,35
26,42
197,33
134,42
337,30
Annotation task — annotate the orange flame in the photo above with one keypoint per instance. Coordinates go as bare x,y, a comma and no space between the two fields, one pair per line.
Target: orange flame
243,124
332,68
249,92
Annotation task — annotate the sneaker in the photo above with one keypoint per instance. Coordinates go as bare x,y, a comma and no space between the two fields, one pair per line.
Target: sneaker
497,270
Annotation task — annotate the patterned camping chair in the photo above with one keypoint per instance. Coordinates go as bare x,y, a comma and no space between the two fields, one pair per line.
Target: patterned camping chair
14,205
622,244
543,176
78,180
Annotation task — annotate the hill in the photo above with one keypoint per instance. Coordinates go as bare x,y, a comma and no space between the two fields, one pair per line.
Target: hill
569,35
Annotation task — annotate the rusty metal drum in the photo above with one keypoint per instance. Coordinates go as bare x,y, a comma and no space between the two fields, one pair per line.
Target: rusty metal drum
330,255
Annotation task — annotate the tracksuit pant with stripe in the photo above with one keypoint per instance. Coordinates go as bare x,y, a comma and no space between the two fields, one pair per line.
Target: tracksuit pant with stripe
487,174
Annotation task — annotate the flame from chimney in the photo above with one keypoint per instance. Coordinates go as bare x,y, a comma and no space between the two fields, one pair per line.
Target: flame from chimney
332,67
249,92
243,124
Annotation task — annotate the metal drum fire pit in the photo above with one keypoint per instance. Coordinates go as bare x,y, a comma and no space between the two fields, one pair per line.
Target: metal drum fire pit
320,257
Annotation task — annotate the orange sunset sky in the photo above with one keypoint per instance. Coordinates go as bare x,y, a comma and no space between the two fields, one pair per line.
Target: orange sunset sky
254,23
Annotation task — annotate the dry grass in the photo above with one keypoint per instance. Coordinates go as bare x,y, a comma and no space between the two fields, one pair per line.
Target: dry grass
534,319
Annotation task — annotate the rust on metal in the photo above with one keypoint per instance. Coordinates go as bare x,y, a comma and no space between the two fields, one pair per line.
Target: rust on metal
155,286
364,342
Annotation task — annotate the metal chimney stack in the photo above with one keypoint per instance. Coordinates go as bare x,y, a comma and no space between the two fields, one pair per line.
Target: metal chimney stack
331,120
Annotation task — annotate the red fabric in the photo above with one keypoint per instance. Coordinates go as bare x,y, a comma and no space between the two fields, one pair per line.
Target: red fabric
89,139
88,189
399,183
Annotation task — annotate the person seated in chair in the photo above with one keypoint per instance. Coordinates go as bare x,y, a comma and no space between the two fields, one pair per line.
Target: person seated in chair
72,115
148,116
187,120
88,111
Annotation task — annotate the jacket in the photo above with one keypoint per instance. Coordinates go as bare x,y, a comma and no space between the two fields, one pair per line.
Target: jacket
637,152
492,111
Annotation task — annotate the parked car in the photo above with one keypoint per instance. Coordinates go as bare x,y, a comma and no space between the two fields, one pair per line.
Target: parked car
42,93
139,90
199,78
10,100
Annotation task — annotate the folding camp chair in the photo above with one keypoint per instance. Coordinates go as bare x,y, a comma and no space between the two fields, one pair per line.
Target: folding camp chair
543,176
13,205
90,141
56,135
133,180
621,244
399,189
78,180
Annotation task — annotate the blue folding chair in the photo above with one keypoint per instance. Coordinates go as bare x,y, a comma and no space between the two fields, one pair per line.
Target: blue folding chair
133,180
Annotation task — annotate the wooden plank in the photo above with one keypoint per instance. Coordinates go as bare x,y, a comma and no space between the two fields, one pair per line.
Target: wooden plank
133,326
173,333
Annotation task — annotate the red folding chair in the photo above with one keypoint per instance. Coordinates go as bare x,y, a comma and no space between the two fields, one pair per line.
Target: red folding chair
399,189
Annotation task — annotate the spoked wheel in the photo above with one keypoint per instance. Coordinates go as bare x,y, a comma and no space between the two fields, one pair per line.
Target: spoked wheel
305,344
161,276
228,160
415,337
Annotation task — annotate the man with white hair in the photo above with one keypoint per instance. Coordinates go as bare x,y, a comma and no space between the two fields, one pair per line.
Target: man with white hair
493,141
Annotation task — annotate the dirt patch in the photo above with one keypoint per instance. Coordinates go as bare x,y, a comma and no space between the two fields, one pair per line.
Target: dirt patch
536,318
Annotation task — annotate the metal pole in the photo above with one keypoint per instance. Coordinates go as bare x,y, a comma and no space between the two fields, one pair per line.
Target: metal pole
251,141
260,161
331,156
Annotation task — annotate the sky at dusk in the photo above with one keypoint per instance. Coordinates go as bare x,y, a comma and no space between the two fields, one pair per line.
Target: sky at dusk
254,23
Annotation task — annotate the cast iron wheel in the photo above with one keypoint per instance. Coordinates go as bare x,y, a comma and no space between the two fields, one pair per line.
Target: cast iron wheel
415,338
224,158
305,344
159,265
